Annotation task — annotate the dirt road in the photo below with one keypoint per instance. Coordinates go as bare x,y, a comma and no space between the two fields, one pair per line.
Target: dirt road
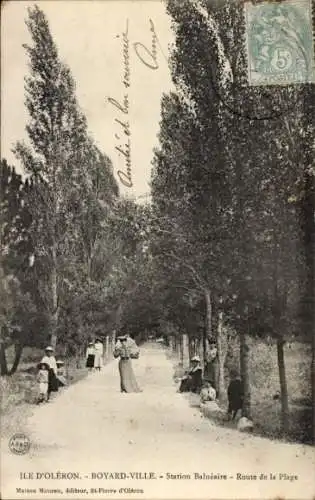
91,429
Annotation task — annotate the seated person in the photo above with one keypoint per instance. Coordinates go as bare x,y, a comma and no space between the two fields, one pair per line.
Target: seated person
62,381
208,392
192,381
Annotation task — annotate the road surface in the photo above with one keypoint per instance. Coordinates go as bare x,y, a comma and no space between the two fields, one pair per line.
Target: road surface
85,441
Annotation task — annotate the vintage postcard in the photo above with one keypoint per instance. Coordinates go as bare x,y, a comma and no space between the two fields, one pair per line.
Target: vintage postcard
157,249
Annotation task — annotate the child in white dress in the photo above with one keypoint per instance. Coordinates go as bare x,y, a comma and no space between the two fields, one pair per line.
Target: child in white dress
42,380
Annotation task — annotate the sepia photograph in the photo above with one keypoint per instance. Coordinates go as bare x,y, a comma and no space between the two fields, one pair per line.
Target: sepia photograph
157,288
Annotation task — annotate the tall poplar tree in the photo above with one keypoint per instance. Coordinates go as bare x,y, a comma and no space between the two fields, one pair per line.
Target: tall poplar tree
54,158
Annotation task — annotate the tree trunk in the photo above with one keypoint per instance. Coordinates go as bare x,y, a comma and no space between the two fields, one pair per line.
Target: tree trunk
313,384
283,387
89,269
244,358
221,387
18,349
280,305
77,357
180,350
173,344
118,317
3,360
208,324
214,318
106,347
204,345
191,348
307,211
113,343
208,313
185,351
54,294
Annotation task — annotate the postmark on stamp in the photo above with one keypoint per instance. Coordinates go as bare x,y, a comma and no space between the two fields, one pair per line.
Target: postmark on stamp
279,42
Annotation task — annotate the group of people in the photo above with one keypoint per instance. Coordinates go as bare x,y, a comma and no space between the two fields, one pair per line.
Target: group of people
193,381
50,375
94,355
125,349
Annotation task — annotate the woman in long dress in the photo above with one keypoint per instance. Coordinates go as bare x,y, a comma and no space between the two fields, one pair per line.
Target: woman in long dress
98,347
126,349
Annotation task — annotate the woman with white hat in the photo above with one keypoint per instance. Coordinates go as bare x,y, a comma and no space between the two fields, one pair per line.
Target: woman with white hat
126,349
192,382
50,360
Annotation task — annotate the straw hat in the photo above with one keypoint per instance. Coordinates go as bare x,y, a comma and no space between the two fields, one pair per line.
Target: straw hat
196,358
122,337
39,365
49,348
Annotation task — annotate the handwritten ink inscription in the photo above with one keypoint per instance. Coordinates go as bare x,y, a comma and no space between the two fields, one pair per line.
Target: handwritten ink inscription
148,57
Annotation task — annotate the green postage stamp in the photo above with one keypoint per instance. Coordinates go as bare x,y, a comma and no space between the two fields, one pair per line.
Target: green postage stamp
280,42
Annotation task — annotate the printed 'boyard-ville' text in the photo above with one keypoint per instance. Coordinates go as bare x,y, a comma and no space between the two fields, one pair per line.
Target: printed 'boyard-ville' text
210,476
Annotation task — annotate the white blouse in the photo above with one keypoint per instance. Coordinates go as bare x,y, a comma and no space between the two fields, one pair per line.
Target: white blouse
126,349
90,351
98,348
51,362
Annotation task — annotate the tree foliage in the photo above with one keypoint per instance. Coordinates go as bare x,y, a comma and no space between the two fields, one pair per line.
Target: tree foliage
233,181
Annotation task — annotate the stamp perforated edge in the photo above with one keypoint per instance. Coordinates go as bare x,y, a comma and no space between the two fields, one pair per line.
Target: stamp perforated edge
246,6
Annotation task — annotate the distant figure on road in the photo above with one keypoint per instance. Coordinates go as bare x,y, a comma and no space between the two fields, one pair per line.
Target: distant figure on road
98,360
50,360
235,395
90,356
126,349
42,379
192,381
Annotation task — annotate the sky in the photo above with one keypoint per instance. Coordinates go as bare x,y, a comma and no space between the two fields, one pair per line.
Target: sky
89,37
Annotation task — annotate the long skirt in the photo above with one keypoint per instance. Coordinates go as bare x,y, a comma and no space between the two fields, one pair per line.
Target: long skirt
98,360
53,384
185,385
90,361
191,383
128,381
